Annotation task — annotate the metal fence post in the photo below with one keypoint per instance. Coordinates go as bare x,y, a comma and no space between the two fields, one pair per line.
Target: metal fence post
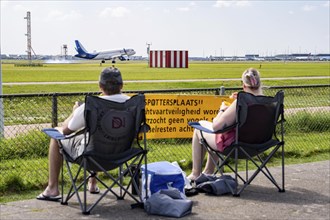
222,90
2,114
2,119
54,110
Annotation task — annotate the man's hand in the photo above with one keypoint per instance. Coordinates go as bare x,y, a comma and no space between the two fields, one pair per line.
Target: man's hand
60,129
76,105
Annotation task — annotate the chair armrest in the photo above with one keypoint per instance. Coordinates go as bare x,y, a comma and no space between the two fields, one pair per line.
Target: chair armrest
54,133
198,126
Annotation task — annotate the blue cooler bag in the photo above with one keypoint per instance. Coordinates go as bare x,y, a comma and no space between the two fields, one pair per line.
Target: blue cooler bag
162,175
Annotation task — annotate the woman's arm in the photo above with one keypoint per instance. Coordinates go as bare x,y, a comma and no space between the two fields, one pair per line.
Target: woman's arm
225,117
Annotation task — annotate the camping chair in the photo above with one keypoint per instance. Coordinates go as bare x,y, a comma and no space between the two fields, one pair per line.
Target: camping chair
112,140
259,119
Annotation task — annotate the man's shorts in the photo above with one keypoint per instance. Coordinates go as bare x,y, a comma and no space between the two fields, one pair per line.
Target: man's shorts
74,147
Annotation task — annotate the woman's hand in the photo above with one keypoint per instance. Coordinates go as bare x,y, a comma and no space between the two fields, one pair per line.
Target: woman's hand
233,95
223,107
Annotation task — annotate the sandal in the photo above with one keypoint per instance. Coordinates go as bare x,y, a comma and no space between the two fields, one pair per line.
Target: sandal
95,191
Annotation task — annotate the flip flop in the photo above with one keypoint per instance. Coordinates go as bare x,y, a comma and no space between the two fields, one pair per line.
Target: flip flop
41,196
96,191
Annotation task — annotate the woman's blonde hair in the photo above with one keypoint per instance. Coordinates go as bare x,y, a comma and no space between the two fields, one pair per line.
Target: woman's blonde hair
251,78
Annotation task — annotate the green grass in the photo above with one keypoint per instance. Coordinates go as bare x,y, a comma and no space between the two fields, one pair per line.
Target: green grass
89,71
92,87
140,71
14,186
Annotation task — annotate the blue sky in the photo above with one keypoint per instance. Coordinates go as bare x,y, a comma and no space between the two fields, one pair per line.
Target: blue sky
203,28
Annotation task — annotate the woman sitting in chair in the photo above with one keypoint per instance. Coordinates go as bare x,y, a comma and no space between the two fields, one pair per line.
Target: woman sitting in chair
225,117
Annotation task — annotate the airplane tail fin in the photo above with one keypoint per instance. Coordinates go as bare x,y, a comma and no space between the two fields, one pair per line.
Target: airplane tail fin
80,48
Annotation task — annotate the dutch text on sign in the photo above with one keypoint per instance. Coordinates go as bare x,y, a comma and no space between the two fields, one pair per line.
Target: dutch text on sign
168,115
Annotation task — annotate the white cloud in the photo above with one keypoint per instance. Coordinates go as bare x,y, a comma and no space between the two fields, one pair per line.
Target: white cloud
308,8
326,4
114,12
242,3
4,4
189,7
61,16
166,11
222,4
291,12
192,4
183,9
231,3
147,9
20,8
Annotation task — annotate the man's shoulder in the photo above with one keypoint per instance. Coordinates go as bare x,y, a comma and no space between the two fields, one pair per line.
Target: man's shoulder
116,97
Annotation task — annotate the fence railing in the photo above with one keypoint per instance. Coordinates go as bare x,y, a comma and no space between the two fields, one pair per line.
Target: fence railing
23,145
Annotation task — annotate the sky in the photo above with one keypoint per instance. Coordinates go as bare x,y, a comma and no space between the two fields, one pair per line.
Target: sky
204,28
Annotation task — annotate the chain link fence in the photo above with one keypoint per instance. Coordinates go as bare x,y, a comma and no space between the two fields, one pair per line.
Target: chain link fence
24,148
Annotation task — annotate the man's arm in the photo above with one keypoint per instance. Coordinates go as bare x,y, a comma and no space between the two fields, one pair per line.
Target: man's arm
64,129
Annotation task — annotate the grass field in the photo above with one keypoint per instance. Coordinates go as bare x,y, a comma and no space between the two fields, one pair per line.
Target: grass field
296,140
89,71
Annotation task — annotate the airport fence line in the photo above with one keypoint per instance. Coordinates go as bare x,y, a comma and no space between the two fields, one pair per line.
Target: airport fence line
24,148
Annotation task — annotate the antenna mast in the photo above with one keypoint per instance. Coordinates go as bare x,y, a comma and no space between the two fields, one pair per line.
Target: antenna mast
148,52
28,34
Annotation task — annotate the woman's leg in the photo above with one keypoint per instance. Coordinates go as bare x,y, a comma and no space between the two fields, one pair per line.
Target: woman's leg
198,153
210,139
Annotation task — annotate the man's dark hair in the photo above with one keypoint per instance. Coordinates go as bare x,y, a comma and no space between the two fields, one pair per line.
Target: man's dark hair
111,81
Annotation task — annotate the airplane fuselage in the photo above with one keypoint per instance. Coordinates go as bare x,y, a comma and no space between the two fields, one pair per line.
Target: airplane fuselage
103,55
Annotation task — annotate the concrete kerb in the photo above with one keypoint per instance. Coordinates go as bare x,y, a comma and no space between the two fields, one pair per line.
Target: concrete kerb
307,196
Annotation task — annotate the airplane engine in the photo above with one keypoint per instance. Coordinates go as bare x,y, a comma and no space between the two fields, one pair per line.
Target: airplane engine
122,58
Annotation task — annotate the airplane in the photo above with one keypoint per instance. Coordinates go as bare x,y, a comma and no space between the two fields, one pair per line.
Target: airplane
121,54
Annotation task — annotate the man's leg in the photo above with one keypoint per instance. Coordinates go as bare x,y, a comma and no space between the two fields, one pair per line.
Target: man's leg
55,163
51,192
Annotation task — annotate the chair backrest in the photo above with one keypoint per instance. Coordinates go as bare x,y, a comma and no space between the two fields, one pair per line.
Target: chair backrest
257,117
112,126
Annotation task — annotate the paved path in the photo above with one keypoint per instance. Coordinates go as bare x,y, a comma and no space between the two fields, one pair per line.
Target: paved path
307,196
162,81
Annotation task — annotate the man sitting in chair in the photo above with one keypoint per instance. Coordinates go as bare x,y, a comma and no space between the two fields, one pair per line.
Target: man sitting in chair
110,84
226,117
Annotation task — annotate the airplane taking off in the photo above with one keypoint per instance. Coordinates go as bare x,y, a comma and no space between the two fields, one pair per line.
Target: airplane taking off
122,54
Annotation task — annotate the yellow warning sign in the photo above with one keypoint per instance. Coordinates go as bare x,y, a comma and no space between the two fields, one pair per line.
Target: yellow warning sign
168,115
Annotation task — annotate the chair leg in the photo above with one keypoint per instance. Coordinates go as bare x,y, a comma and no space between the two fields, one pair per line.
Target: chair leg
246,170
62,185
236,170
121,183
283,174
